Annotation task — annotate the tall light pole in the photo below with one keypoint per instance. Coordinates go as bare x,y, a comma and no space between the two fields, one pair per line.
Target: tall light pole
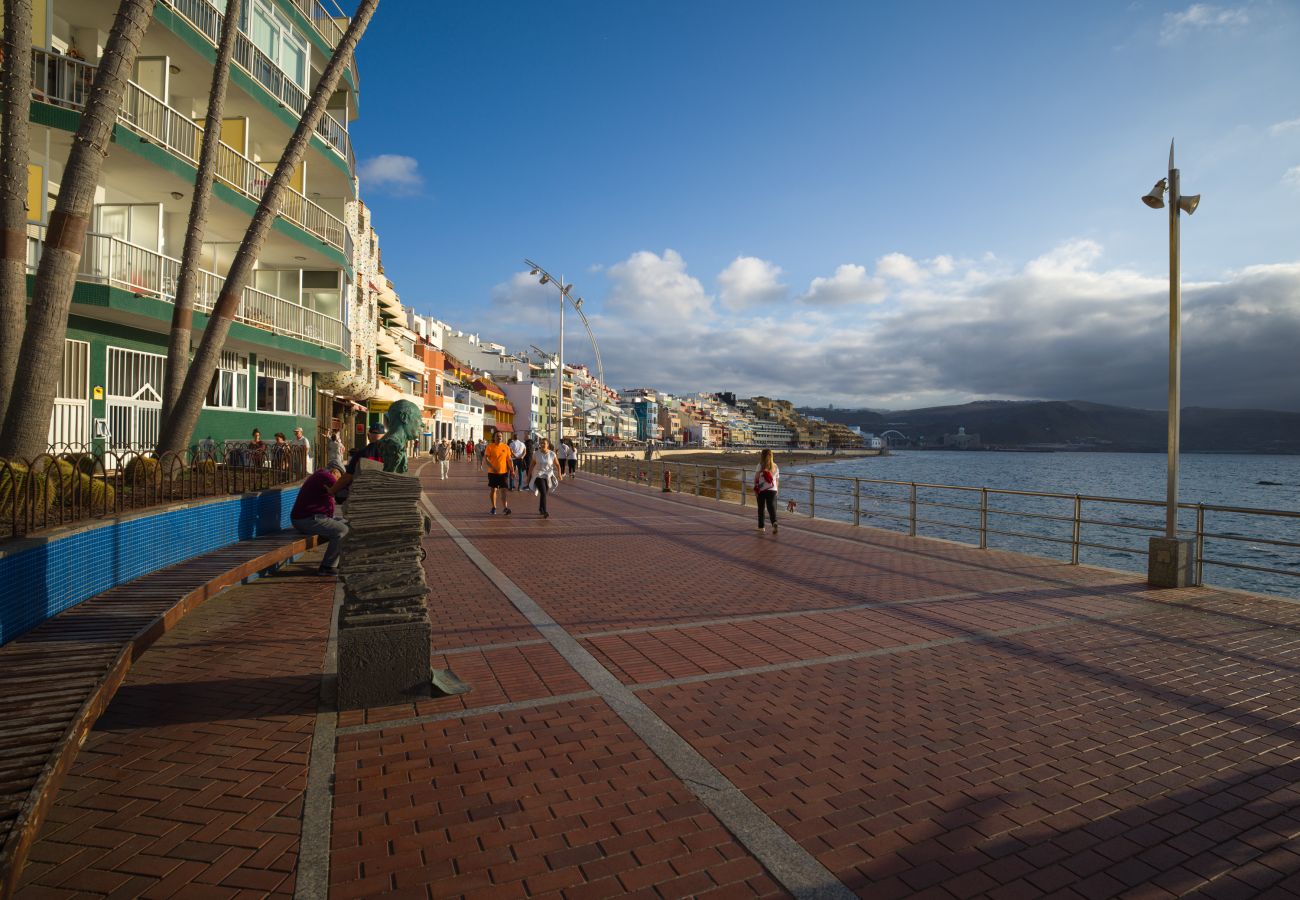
1169,563
565,295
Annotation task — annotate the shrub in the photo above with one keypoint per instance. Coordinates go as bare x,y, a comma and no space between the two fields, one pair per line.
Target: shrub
142,471
22,491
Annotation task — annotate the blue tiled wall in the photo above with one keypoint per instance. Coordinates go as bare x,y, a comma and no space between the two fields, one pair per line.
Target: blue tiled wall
43,581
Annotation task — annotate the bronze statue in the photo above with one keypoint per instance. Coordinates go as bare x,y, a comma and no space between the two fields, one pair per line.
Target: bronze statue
403,424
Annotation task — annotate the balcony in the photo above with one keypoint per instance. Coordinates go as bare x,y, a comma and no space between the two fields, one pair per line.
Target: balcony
145,273
207,19
66,82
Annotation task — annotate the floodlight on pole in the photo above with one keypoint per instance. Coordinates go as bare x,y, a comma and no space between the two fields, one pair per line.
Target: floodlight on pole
1170,561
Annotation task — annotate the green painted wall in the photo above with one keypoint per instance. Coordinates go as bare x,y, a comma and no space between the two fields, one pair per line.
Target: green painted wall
220,425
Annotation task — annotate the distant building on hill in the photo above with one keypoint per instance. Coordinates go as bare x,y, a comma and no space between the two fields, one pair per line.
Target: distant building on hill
961,440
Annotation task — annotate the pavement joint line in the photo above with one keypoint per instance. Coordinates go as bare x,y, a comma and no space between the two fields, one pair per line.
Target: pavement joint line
795,868
981,638
487,648
469,713
313,877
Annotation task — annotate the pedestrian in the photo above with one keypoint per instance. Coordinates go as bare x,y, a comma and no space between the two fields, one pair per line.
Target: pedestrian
542,474
257,449
313,513
479,449
497,457
335,449
571,459
767,481
442,453
299,440
517,471
561,451
280,452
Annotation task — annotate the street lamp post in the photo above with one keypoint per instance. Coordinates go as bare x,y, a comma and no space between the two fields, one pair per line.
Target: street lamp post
565,294
1169,561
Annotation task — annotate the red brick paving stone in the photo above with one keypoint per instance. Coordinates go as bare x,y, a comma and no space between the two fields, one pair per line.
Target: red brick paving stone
1018,721
561,798
201,757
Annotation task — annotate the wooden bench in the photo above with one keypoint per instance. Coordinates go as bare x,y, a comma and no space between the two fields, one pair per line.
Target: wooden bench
57,679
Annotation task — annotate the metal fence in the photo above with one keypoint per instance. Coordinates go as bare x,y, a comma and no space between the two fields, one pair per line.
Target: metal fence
71,484
1251,549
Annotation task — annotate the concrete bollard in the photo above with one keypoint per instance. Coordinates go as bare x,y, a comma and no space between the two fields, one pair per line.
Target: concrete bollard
668,482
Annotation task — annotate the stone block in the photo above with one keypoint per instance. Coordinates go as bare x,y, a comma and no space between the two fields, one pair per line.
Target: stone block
1171,563
383,664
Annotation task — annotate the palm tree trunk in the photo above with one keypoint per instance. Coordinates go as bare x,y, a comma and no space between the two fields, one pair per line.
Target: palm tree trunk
179,426
178,347
16,93
27,420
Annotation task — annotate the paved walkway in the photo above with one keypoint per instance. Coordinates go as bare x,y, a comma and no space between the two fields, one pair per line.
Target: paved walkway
669,704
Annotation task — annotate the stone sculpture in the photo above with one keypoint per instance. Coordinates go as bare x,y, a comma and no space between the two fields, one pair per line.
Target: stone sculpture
383,636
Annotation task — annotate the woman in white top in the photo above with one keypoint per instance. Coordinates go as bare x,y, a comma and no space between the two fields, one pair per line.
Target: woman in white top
541,474
767,481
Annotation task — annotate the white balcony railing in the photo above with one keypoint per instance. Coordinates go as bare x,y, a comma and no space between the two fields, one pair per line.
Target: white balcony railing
207,19
66,82
118,263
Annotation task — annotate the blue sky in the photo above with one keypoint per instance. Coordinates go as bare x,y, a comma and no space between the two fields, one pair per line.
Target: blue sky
869,204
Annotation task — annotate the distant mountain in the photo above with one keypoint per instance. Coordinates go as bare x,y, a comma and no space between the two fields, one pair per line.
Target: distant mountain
1082,425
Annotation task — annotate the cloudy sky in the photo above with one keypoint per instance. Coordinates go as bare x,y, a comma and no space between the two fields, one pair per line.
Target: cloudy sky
885,205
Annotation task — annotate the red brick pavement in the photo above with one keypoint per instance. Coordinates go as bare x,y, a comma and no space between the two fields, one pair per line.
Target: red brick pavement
923,719
191,783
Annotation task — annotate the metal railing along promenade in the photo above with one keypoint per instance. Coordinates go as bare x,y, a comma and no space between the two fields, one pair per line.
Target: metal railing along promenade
70,484
109,260
1081,528
66,82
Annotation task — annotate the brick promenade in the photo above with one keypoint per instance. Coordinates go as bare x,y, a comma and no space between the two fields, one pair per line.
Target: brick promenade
667,704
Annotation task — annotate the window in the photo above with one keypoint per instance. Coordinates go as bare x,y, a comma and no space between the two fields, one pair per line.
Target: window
229,388
273,34
283,388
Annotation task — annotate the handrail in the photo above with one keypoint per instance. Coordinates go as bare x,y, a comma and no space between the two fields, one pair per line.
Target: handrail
851,506
207,19
66,82
110,260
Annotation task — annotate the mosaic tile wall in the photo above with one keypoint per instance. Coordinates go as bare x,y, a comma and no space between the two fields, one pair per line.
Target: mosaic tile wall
44,580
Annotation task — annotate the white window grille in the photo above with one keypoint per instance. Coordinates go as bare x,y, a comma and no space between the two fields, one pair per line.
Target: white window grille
283,388
134,398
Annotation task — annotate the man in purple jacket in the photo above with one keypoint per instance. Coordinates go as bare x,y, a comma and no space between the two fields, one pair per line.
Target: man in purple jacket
313,512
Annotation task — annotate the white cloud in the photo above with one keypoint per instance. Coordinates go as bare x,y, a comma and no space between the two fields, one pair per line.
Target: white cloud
1060,326
391,173
942,265
900,267
749,281
1280,128
1201,16
1292,177
656,288
849,285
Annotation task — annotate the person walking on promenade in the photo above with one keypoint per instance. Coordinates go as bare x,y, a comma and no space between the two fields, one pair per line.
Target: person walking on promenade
257,449
517,470
337,453
561,451
767,481
571,460
497,457
300,440
542,474
313,513
442,453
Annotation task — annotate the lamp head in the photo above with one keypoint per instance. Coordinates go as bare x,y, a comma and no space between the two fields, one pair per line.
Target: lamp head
1188,203
545,278
534,271
578,303
1155,198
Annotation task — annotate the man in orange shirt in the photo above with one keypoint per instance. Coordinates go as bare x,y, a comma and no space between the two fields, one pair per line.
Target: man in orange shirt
498,460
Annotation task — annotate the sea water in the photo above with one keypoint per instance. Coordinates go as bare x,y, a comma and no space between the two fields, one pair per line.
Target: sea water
1122,530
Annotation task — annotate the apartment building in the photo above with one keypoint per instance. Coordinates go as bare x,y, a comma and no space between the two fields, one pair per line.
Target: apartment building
291,326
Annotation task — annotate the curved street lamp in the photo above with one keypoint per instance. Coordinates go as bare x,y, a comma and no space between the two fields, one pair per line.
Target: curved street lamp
545,277
1169,563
